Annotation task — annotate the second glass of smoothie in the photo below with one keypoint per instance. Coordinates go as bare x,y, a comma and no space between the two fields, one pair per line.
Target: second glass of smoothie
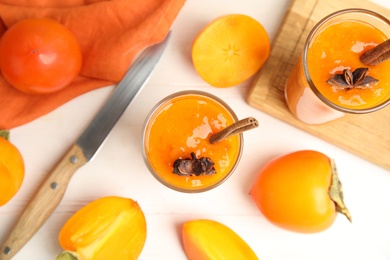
330,79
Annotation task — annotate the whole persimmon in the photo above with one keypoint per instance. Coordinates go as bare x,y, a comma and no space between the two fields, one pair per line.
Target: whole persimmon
230,50
11,170
300,192
39,56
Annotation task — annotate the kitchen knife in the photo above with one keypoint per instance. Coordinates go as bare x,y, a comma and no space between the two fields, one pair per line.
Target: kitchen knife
52,189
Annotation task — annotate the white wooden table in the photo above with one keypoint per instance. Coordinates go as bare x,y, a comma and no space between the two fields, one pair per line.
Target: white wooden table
119,169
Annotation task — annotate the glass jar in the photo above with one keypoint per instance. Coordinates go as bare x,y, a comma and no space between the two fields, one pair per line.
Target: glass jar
179,128
335,44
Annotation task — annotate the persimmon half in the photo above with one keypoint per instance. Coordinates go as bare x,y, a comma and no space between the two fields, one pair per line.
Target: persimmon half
300,192
230,50
110,227
39,56
205,239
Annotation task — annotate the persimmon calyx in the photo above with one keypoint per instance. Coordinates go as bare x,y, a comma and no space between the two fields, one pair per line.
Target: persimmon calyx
4,134
68,255
336,193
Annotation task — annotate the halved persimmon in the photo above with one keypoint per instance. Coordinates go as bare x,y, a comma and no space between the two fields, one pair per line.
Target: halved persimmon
110,227
205,239
230,50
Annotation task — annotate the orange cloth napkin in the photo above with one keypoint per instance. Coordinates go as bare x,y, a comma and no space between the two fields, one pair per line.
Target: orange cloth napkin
111,33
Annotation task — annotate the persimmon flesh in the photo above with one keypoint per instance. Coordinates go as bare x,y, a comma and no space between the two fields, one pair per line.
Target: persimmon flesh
107,228
205,239
230,50
39,56
299,192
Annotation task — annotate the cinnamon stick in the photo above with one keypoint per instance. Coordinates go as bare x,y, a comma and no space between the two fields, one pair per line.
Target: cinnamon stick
377,54
236,128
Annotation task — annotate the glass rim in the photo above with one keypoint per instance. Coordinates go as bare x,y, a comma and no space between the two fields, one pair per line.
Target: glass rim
309,39
155,109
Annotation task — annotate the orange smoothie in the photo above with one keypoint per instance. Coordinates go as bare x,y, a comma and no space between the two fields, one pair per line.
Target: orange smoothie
349,41
333,47
182,125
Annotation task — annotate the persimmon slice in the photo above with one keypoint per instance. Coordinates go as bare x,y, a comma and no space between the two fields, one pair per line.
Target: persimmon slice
230,50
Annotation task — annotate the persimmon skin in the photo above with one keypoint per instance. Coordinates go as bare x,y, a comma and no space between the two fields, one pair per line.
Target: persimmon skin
292,192
39,56
107,228
230,50
11,170
205,239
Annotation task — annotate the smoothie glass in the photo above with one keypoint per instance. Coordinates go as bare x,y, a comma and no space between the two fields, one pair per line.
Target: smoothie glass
333,46
179,128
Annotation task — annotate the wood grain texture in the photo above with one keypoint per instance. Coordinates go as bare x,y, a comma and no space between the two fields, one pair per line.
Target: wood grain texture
43,203
364,135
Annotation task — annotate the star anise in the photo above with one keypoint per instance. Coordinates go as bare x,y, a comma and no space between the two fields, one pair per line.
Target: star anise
194,166
356,79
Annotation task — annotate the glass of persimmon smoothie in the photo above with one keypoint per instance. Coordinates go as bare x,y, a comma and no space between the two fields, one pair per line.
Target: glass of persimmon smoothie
176,143
337,73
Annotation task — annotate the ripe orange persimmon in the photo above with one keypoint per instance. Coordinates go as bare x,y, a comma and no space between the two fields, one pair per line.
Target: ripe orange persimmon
108,228
230,50
39,56
205,239
11,170
299,192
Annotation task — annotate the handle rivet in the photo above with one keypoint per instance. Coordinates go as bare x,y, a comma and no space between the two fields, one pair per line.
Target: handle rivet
73,159
7,250
53,185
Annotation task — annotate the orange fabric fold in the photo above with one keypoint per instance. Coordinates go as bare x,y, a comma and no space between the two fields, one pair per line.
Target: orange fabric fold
110,32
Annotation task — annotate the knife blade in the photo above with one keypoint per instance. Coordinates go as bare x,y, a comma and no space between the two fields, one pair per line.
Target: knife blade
51,191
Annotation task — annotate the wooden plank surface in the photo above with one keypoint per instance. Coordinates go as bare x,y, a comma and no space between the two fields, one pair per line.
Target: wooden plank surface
367,136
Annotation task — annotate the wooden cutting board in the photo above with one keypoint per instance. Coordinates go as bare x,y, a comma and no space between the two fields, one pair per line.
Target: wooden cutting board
367,136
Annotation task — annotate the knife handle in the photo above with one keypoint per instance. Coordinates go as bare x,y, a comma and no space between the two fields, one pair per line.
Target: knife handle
43,203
